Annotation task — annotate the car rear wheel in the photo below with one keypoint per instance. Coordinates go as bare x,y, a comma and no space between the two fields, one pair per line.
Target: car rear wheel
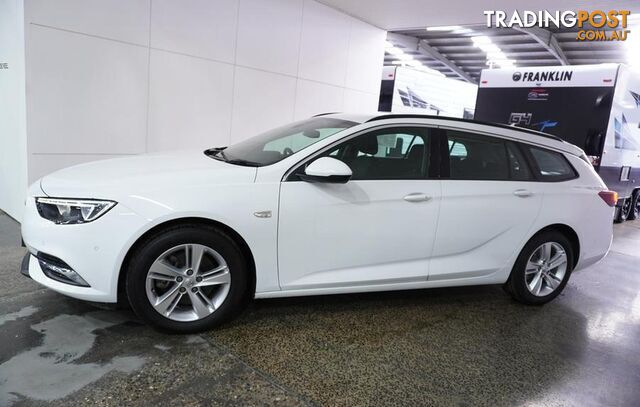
542,269
187,279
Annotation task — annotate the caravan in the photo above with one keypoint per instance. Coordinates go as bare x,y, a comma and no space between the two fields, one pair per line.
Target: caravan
595,107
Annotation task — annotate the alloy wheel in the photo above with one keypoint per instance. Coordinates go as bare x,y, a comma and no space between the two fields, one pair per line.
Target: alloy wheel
188,282
545,269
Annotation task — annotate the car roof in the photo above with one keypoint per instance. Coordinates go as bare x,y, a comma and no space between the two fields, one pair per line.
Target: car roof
499,129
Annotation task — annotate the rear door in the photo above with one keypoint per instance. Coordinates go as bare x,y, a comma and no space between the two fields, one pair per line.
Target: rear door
489,202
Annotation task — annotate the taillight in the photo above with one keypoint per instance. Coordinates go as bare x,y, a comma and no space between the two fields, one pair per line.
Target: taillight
609,197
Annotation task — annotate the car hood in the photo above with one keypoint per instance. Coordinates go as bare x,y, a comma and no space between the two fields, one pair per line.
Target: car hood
148,172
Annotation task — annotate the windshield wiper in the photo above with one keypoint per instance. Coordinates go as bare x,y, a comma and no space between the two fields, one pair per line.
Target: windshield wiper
239,161
217,153
211,152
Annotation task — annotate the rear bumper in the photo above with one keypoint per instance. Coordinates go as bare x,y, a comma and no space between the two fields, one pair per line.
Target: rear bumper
595,240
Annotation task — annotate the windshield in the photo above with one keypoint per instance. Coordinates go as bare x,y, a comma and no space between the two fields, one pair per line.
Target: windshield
274,145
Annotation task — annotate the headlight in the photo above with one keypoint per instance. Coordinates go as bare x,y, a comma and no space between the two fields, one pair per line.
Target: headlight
72,211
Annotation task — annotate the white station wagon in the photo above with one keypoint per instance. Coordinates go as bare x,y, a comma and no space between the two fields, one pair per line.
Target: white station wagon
337,203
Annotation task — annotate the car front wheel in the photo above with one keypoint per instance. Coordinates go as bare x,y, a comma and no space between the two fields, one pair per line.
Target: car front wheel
187,279
542,269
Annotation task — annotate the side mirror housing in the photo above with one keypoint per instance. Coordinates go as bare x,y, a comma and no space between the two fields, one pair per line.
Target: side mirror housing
328,170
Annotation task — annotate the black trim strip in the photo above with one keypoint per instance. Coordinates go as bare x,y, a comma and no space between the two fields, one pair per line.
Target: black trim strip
24,267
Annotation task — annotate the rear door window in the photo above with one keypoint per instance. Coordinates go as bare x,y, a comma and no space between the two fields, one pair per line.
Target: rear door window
518,168
477,157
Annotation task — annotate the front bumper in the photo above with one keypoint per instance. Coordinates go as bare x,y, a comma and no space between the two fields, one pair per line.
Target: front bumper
94,250
54,268
24,267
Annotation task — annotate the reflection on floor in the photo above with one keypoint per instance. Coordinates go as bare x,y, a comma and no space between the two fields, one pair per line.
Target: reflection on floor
463,346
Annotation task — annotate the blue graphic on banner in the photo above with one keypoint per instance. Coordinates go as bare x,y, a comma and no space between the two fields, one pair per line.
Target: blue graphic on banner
545,124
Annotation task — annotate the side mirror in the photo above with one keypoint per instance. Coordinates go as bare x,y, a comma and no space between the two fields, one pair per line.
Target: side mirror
327,169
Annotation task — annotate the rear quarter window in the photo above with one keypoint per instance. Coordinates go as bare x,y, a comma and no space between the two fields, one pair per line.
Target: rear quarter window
552,166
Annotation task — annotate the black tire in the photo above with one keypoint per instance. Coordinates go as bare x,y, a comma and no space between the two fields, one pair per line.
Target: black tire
635,206
516,286
624,211
236,300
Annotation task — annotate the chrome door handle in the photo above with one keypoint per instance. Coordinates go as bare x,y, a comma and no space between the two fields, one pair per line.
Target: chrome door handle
417,197
522,193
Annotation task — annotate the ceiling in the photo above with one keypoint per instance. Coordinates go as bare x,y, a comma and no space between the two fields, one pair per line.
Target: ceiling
393,15
454,54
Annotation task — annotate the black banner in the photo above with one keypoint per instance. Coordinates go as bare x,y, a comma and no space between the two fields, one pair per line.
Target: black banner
579,115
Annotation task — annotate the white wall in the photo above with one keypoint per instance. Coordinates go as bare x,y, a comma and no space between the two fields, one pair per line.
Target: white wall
13,150
109,78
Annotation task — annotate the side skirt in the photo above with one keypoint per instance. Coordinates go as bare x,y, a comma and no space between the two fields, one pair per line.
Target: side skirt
495,278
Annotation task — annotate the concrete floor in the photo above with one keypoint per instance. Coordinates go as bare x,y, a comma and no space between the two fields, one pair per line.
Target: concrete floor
459,346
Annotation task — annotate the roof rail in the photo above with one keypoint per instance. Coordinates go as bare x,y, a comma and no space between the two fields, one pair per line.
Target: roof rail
455,119
324,114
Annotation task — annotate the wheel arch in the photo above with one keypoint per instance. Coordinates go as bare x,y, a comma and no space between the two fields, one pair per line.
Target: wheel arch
569,233
186,221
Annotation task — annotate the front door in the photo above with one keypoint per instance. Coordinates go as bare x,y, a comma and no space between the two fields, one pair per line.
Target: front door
377,229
